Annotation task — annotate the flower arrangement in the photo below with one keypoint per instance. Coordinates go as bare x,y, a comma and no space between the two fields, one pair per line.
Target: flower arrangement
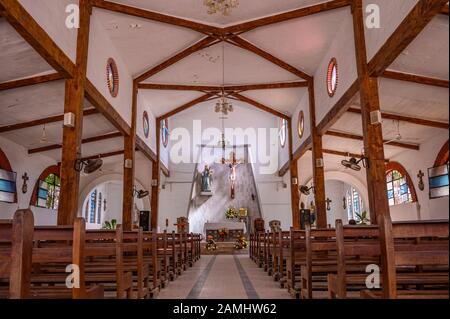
241,243
231,213
210,243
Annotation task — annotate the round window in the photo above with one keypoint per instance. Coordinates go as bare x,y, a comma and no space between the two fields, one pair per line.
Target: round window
146,124
165,132
301,124
332,77
283,132
112,77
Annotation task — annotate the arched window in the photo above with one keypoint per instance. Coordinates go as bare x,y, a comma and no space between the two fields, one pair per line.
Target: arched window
99,210
442,157
354,204
47,189
400,189
92,206
8,190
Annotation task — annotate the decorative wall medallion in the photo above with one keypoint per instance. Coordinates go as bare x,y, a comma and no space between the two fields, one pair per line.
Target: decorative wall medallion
112,77
332,77
165,132
301,124
146,124
282,132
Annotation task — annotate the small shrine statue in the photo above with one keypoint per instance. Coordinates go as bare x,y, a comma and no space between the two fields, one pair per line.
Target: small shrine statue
206,179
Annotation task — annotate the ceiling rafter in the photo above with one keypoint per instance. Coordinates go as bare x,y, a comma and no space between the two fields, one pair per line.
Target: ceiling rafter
84,141
156,16
33,80
227,88
175,58
356,137
42,121
414,78
185,106
260,106
417,19
281,17
244,44
409,119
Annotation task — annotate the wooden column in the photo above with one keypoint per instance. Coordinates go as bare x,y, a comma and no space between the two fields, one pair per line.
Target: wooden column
317,157
128,173
295,197
373,135
156,177
73,103
374,150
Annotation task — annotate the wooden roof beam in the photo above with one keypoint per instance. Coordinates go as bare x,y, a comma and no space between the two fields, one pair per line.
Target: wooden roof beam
84,141
156,16
33,33
244,44
203,43
14,84
406,32
260,106
46,120
361,138
185,106
401,76
409,119
228,88
281,17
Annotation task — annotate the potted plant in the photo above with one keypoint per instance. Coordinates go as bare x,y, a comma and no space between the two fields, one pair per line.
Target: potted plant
361,218
110,224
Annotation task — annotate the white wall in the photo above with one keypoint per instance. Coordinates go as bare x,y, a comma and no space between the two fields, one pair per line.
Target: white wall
413,161
175,198
33,165
101,49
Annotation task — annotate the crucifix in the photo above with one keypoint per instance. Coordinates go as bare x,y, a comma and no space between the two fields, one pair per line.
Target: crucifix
328,201
420,176
24,185
232,164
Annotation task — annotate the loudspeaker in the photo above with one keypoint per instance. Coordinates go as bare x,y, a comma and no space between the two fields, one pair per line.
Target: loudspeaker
144,220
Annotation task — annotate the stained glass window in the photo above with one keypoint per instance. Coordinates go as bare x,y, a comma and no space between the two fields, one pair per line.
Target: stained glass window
99,211
48,192
354,203
397,188
93,206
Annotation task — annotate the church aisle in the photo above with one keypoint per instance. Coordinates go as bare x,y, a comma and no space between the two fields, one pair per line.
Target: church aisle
224,277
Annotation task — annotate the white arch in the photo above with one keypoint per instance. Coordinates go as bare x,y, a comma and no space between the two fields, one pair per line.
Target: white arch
113,177
349,179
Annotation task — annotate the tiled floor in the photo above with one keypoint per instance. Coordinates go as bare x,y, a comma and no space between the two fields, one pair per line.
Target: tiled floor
224,277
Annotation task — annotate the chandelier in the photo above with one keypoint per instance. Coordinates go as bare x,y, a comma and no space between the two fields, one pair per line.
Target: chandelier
223,6
223,106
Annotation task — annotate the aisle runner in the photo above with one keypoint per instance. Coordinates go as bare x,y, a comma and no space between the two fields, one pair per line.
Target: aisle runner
248,286
197,289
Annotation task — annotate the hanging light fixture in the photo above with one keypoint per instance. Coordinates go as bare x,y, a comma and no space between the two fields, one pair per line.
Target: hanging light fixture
223,106
222,6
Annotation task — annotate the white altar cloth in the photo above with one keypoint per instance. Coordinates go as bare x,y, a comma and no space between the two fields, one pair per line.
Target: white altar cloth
227,225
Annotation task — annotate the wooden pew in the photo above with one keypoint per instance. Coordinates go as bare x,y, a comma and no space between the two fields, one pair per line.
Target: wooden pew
16,245
283,253
63,246
420,251
295,258
163,258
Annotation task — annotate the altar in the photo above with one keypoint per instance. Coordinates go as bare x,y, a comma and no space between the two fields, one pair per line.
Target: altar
225,231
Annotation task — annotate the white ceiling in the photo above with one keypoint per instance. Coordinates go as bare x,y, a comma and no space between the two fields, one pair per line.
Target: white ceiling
428,54
195,10
17,57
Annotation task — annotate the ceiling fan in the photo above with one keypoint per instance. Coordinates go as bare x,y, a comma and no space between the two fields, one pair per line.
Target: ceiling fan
399,137
44,140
